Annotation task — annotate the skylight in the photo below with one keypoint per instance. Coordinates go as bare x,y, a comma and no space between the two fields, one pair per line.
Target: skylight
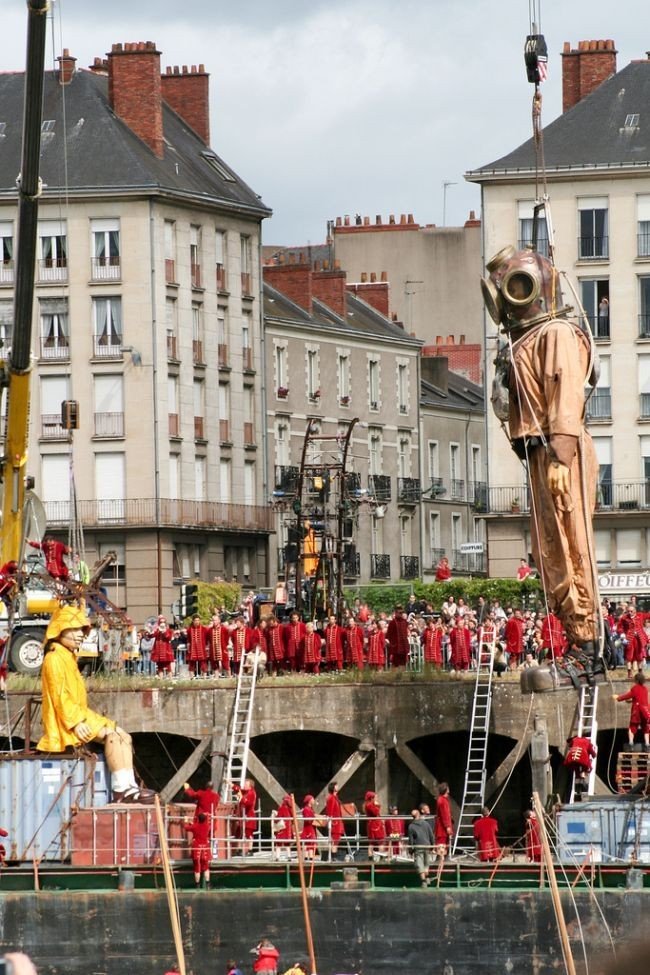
631,121
219,167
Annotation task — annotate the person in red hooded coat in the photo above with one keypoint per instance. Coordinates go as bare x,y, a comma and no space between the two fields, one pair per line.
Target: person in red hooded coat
486,830
375,827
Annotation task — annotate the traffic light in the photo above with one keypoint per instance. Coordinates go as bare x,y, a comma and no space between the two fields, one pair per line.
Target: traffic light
189,599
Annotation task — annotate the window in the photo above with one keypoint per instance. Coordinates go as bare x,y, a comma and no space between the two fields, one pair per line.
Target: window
199,409
110,486
55,342
170,251
434,459
249,482
405,535
281,373
313,383
376,535
246,341
109,405
435,553
404,460
644,386
224,480
457,485
644,307
220,240
603,546
200,478
222,337
172,399
174,476
54,390
374,452
476,463
6,252
631,121
282,444
115,574
373,383
525,212
628,546
599,404
593,241
224,413
643,225
249,416
403,388
198,357
343,372
171,321
52,245
456,533
246,247
6,323
55,487
594,295
187,561
603,448
106,249
108,327
219,167
195,256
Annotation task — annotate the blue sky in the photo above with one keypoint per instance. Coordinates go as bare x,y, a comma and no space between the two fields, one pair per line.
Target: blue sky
349,106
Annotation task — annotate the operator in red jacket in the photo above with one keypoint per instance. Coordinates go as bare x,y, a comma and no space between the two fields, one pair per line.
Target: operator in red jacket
640,713
200,830
486,829
578,761
444,823
206,799
266,962
398,638
514,636
53,552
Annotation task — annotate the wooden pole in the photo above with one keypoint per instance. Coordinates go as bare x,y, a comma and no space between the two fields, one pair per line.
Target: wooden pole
172,899
303,888
555,894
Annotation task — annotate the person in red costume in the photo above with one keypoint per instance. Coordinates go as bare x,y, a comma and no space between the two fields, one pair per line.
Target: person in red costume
162,653
640,713
206,799
218,637
333,811
460,642
308,833
274,646
246,800
376,830
333,644
200,830
53,552
376,646
398,638
266,962
532,837
432,643
486,830
631,625
553,638
311,649
283,827
444,827
514,637
198,652
293,634
353,644
243,639
443,571
395,831
8,581
578,761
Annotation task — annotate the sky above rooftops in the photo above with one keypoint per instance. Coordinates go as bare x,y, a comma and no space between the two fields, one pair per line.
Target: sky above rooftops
349,106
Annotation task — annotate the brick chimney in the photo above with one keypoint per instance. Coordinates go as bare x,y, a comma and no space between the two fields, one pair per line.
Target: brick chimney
329,287
292,280
376,293
66,67
134,91
186,90
584,69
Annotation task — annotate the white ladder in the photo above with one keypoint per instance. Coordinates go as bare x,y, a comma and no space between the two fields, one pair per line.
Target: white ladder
240,728
587,728
475,772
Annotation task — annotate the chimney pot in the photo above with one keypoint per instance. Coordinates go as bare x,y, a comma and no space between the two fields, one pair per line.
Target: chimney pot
450,340
462,340
472,214
378,219
366,221
391,219
337,265
410,218
184,69
316,265
438,339
292,258
364,277
339,222
373,277
384,275
402,218
326,265
346,220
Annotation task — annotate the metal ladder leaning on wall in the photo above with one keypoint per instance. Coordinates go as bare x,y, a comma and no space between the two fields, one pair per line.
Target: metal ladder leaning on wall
475,773
240,729
587,727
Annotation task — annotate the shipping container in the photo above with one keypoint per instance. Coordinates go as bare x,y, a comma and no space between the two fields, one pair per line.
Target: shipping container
611,831
38,797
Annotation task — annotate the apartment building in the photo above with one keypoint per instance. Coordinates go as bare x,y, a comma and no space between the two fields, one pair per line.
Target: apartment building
147,312
598,173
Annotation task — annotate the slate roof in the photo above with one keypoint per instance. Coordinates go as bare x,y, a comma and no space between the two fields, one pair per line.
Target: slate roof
104,155
462,394
592,134
362,319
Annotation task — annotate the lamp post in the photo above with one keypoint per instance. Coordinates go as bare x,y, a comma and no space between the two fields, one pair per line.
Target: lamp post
446,183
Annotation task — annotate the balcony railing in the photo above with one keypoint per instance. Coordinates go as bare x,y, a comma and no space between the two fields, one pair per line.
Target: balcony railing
478,495
435,554
52,428
221,277
380,566
457,489
247,358
6,272
379,486
222,355
542,245
197,352
409,567
58,348
246,283
610,495
593,248
644,326
106,347
170,271
199,429
643,245
599,325
224,431
351,563
174,425
408,490
53,269
109,424
468,562
147,512
172,346
286,478
599,405
511,499
436,488
195,270
249,435
644,406
105,268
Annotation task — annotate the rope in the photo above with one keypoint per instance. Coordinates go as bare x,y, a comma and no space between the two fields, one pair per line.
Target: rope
516,761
